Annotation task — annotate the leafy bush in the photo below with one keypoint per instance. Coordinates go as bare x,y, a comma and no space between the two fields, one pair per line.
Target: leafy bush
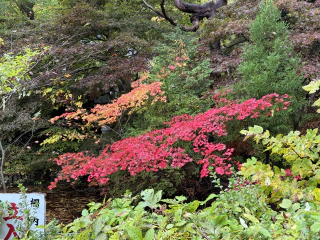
301,152
239,212
161,148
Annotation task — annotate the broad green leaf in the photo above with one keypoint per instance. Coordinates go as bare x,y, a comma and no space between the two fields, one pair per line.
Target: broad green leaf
276,170
244,132
115,236
97,226
211,196
101,236
265,232
150,199
134,233
180,198
169,226
316,217
208,227
251,218
158,196
315,228
189,228
316,193
317,103
85,212
193,206
258,129
286,203
177,215
149,234
181,223
312,87
296,206
238,209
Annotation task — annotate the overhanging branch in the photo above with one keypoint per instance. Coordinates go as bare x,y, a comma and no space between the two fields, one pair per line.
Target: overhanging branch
198,12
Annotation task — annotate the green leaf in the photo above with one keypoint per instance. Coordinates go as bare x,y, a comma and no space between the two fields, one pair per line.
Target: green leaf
316,193
149,234
312,87
286,203
180,198
150,199
316,103
193,206
315,228
134,233
169,226
85,212
295,206
181,223
257,129
265,232
211,196
251,218
189,228
244,132
97,226
208,227
101,236
115,236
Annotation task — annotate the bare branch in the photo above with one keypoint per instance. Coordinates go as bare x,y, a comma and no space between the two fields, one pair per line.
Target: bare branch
198,12
162,14
153,9
165,14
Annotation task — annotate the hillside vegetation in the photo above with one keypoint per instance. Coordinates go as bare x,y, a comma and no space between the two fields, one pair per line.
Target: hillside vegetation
191,130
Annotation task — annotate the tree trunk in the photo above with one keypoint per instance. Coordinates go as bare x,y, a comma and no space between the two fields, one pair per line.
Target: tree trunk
3,157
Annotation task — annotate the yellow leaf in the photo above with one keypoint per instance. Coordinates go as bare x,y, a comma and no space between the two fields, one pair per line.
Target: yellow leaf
67,75
316,193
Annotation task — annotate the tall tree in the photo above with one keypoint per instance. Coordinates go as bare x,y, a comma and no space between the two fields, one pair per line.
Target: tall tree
270,65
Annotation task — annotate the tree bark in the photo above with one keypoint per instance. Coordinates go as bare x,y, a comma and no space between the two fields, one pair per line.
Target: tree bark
3,158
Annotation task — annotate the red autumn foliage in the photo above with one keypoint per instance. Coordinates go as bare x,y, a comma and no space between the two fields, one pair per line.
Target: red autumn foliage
159,149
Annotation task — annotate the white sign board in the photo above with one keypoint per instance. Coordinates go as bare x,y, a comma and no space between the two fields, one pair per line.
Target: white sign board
9,223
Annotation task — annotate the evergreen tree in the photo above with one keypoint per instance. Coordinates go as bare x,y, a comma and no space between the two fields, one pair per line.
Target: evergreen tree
270,66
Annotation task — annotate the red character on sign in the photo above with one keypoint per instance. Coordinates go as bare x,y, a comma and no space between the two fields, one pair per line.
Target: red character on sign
11,231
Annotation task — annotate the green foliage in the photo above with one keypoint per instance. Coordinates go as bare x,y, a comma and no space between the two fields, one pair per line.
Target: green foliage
239,212
185,79
61,139
169,181
301,152
312,88
270,65
90,43
13,70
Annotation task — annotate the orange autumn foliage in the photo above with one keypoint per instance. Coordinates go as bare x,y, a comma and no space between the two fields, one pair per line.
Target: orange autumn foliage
141,94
